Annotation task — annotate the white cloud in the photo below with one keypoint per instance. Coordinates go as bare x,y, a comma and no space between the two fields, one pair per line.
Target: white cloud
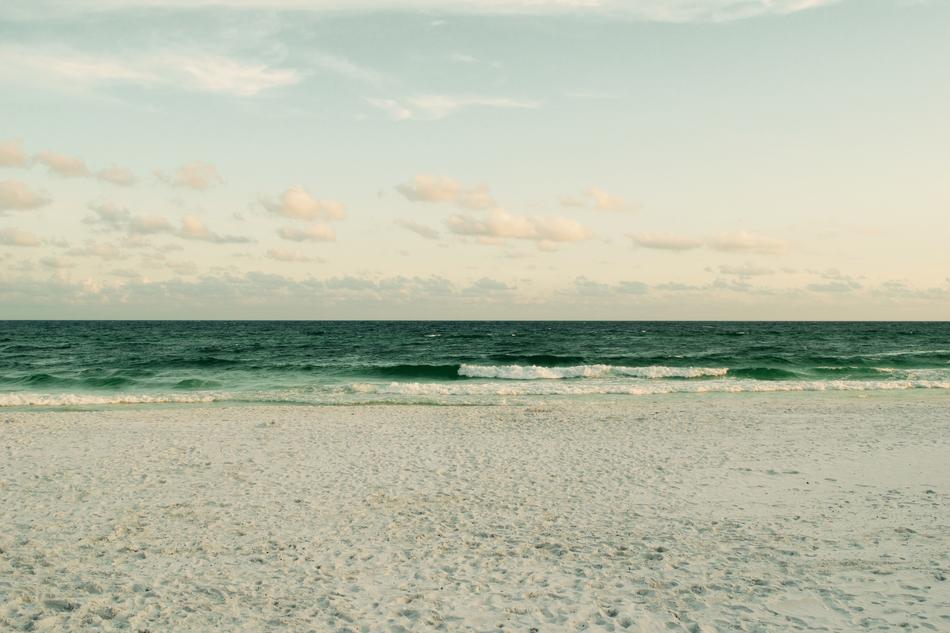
63,164
116,176
665,241
17,196
12,154
10,236
299,204
428,188
419,229
499,225
197,175
311,233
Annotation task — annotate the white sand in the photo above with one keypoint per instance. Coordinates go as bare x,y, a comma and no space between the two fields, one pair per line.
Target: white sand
753,513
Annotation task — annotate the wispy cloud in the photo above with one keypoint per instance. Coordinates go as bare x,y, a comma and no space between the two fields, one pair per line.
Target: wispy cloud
441,106
734,242
599,200
666,241
224,75
746,242
347,68
745,270
311,233
201,72
834,286
392,108
419,229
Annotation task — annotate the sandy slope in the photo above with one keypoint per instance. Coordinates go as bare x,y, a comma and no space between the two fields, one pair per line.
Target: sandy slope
759,512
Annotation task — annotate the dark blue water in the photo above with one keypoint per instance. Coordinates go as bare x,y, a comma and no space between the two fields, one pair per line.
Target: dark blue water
102,362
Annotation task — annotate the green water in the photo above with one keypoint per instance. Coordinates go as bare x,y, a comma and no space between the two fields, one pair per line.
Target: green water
109,362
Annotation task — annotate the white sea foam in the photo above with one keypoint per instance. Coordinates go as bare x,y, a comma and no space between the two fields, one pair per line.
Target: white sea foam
77,399
534,372
477,391
628,388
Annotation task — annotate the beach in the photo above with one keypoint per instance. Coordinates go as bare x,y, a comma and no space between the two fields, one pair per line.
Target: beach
714,512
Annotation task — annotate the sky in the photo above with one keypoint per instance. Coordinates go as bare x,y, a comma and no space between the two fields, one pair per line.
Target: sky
475,159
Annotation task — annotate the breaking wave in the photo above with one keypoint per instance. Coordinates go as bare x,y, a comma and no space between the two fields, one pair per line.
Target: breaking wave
85,399
536,372
542,388
463,392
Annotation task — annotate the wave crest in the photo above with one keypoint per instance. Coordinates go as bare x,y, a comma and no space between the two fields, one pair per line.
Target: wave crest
536,372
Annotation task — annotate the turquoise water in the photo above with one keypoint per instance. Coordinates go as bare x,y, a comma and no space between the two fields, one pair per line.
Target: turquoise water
56,363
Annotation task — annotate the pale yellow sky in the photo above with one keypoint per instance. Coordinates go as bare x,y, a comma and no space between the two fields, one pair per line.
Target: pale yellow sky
629,159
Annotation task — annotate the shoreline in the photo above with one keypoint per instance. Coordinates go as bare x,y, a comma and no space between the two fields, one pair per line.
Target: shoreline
783,511
517,400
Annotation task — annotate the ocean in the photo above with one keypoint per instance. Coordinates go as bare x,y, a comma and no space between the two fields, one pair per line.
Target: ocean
101,363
